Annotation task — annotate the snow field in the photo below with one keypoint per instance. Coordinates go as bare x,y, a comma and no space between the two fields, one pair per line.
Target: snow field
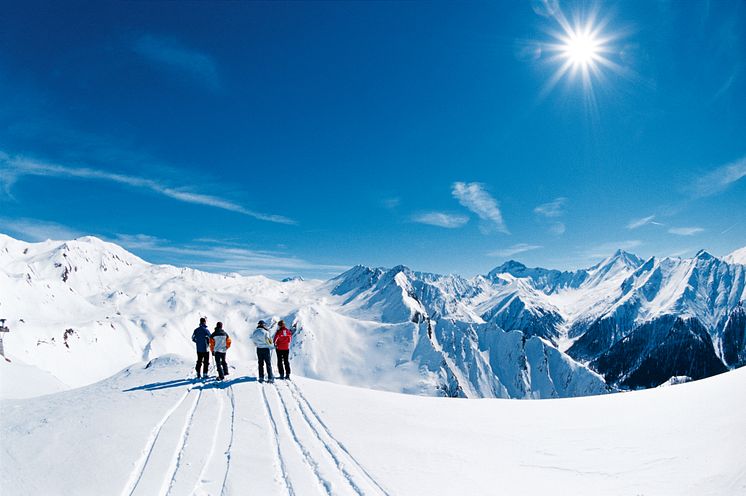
151,431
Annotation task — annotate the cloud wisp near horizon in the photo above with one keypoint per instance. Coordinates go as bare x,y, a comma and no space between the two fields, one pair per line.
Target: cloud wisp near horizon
686,231
513,250
441,219
210,255
217,256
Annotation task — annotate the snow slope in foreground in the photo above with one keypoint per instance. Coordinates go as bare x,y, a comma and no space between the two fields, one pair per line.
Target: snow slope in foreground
146,431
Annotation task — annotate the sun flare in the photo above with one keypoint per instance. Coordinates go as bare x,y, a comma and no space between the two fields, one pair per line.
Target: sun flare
582,48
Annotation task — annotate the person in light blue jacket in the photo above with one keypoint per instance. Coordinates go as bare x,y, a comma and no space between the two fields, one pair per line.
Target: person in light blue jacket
263,341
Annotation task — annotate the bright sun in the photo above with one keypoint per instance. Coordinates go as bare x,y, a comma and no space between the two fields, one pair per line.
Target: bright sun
582,48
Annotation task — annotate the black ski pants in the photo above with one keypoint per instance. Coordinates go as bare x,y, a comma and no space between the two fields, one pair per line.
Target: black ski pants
221,364
264,355
203,359
283,363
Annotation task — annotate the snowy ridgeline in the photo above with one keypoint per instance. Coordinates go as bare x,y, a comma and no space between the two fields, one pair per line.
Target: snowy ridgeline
82,310
147,431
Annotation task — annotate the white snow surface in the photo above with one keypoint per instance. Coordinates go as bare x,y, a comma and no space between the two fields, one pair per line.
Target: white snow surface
150,431
737,256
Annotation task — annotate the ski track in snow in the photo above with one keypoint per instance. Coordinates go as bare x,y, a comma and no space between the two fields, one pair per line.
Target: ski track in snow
199,487
213,476
229,393
168,482
276,441
310,462
334,442
333,458
136,475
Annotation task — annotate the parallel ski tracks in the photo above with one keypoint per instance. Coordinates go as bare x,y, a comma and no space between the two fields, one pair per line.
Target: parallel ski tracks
142,463
176,463
307,456
299,438
336,450
209,463
276,442
175,470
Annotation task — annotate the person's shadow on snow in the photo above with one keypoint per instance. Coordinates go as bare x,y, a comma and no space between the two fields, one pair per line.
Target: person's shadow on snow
195,383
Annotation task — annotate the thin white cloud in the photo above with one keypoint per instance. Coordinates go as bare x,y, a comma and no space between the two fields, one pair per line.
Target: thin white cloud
37,230
729,229
552,209
217,257
513,250
686,231
474,197
718,179
25,167
636,223
441,219
170,53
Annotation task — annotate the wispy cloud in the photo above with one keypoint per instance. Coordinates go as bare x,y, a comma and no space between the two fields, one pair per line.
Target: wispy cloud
218,257
37,230
729,229
474,197
549,214
686,231
513,250
552,209
636,223
441,219
19,166
170,53
718,179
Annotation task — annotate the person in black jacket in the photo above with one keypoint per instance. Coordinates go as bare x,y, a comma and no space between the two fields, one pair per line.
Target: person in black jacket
201,338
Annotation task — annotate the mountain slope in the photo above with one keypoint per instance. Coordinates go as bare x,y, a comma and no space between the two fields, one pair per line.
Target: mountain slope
658,350
736,256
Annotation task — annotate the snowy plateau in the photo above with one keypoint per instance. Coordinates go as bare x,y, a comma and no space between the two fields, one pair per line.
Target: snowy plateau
99,396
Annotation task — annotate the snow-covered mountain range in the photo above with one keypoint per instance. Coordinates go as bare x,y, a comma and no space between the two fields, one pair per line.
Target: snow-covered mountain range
81,310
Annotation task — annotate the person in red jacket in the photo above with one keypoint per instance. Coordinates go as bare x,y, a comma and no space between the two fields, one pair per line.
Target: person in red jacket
282,339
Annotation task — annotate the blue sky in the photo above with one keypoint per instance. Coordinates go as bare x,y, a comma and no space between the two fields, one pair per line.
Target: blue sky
302,138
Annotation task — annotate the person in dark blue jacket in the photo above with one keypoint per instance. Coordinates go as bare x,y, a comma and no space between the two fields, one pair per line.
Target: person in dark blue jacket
201,337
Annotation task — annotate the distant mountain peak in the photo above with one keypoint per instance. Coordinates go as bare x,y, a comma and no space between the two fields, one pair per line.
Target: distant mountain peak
512,267
737,256
630,259
703,255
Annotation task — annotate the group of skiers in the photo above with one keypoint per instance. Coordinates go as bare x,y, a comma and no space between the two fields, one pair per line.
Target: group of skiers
218,343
